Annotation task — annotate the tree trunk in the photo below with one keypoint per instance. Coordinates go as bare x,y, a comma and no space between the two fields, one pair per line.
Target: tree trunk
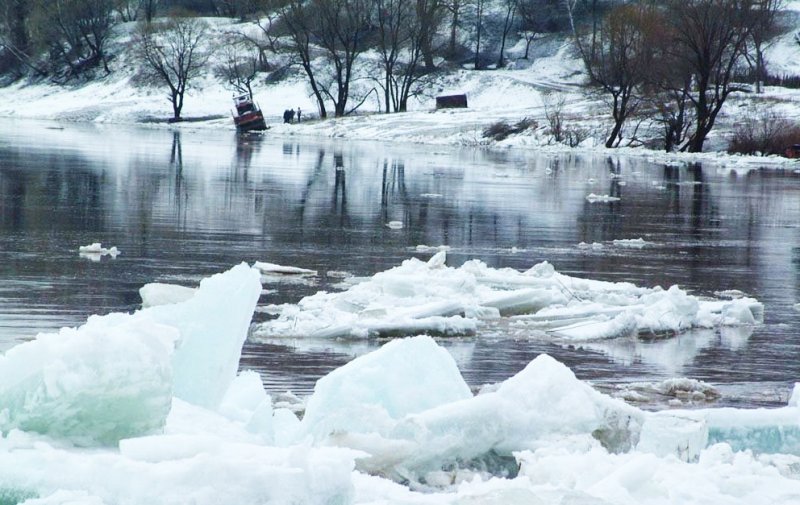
478,36
453,29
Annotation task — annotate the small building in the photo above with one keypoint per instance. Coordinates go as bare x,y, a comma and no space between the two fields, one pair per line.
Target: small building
451,102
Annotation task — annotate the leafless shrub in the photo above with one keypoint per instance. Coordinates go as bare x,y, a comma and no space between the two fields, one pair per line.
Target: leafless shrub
501,130
575,136
554,112
764,133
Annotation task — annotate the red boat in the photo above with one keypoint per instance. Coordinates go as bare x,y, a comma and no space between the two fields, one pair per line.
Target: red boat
248,115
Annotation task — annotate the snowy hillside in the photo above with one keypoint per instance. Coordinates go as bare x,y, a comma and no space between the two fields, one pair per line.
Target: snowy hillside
519,91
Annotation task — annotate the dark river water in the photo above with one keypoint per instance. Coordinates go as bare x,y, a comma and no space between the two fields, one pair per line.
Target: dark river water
183,205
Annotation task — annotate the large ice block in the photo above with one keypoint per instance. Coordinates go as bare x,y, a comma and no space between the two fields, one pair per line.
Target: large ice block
372,392
104,381
213,326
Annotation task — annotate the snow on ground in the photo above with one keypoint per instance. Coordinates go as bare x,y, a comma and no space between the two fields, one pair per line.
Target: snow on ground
508,95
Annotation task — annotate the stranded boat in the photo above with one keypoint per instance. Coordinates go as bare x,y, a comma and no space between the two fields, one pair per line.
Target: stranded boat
248,116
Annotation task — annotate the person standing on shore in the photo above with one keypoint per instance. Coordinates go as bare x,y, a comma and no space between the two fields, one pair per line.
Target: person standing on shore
298,114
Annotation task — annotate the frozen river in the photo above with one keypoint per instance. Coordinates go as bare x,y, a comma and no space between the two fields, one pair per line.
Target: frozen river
180,206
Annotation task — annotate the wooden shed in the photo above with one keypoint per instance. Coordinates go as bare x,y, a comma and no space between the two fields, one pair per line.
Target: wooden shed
451,102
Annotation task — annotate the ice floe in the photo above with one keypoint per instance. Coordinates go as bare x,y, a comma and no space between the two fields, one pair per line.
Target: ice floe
109,379
95,251
430,297
633,243
592,198
388,423
157,293
272,268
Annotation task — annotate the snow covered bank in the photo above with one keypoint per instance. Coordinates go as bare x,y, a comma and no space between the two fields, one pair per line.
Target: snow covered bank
508,95
430,297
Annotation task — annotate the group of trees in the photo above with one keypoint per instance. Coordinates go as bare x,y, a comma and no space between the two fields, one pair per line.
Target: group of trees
64,39
408,36
674,61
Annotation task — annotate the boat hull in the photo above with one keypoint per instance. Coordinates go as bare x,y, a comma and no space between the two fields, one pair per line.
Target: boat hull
251,121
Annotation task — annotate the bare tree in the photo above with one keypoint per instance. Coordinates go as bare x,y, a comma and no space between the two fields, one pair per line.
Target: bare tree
149,9
553,104
400,40
392,37
267,41
15,38
765,27
710,35
300,24
508,22
618,58
239,67
480,7
674,111
74,32
171,50
339,28
454,7
127,10
538,17
342,33
429,15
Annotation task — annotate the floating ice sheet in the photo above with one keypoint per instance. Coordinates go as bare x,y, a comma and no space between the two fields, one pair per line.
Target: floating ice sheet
272,268
156,293
419,297
413,426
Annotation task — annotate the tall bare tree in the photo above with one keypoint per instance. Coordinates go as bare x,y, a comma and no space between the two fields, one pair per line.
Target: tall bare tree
342,33
15,39
711,36
429,15
266,39
400,40
480,8
765,27
335,29
393,36
239,67
538,17
74,32
618,58
510,7
171,49
454,7
300,24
